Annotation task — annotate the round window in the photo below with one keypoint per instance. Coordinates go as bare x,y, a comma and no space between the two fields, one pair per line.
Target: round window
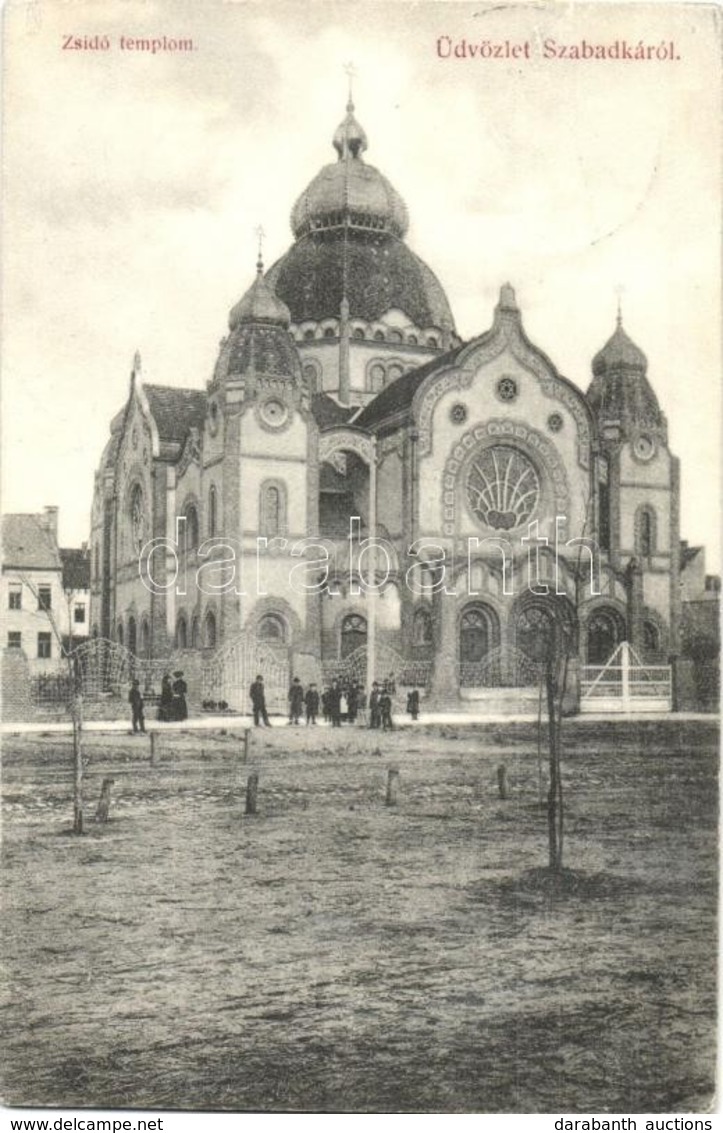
554,422
507,389
458,413
502,487
644,447
274,413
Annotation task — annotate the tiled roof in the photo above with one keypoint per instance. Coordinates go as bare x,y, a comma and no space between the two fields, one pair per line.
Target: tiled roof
399,395
28,543
76,568
373,271
175,411
687,554
328,413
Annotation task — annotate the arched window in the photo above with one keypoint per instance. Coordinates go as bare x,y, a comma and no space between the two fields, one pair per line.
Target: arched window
212,519
191,515
432,341
329,332
195,632
145,638
651,638
475,637
353,633
210,630
132,642
119,633
312,373
394,372
137,518
379,336
395,336
96,569
272,509
357,333
412,340
605,631
645,532
308,334
376,377
181,633
272,628
422,628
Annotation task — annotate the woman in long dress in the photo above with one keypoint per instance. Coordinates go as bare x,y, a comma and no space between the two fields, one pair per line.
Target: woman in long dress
165,704
180,688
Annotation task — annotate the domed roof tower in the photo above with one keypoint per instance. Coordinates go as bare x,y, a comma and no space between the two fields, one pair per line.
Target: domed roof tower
350,275
620,394
259,339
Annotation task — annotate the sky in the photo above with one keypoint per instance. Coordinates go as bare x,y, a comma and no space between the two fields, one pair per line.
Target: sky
133,184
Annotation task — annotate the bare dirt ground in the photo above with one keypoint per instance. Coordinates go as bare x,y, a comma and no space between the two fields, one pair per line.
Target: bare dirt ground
335,954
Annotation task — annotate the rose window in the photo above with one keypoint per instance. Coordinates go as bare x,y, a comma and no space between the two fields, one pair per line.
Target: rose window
502,487
507,389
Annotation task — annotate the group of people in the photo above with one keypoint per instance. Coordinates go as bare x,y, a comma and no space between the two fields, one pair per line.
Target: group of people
171,705
341,701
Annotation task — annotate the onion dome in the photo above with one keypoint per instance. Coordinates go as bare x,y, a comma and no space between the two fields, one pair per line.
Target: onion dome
619,351
349,225
350,193
259,341
620,393
260,304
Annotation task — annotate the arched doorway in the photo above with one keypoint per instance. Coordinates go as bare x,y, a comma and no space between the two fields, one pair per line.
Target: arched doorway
353,634
479,636
476,634
132,641
271,629
544,627
605,631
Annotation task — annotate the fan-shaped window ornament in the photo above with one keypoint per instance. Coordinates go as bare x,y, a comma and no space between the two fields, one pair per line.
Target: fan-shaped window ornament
502,487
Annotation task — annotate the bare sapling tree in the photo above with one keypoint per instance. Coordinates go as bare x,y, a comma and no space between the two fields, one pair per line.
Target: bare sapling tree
75,693
557,644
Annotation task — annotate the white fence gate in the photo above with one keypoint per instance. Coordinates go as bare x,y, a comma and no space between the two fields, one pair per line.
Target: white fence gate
625,684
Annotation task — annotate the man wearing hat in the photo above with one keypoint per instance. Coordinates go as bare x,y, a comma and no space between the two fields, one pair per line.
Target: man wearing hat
258,702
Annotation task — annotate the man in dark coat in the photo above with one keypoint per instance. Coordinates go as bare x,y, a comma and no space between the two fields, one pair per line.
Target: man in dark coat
352,702
258,702
375,717
312,704
385,709
296,701
335,704
135,699
413,703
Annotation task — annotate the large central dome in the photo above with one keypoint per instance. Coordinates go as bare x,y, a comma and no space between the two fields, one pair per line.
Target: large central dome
349,225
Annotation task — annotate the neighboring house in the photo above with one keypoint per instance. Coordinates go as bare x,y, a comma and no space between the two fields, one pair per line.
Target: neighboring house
76,586
700,637
41,582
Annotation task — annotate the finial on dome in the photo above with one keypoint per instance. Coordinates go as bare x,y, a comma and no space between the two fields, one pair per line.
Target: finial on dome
137,362
619,292
260,261
350,139
350,71
507,300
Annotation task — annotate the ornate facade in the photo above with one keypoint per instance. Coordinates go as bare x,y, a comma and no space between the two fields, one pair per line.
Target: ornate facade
343,390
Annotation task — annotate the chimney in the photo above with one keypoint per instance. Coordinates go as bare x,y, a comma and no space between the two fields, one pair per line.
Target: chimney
50,521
